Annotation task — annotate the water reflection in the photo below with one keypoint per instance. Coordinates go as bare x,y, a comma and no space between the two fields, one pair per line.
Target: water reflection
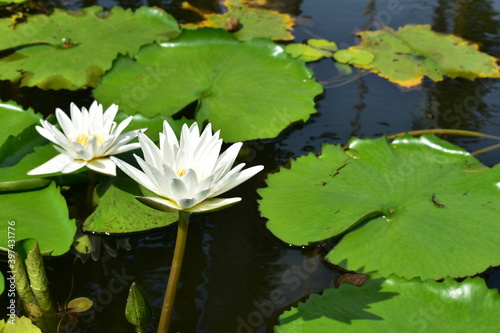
460,103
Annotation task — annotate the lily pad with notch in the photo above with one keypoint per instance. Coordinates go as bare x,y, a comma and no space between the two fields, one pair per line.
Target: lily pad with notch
248,90
413,207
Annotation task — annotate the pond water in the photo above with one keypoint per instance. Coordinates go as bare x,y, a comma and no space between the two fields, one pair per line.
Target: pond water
237,277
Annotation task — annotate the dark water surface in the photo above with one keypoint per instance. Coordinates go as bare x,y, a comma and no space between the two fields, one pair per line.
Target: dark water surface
236,276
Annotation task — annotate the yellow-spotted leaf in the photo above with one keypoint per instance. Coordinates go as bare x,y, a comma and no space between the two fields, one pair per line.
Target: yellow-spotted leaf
246,22
405,56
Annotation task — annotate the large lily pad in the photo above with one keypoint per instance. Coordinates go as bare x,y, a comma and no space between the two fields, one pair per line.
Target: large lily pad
413,207
119,212
42,215
407,55
71,50
246,22
249,90
15,119
19,140
397,305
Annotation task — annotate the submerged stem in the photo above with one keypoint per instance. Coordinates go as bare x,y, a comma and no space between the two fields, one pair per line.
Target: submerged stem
175,271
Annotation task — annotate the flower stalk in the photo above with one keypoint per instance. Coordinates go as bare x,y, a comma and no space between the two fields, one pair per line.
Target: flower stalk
90,192
175,271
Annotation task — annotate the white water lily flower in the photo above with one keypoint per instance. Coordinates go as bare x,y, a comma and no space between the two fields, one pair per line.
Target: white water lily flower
89,138
187,175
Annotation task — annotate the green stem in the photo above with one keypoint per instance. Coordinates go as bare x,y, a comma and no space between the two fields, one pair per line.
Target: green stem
175,271
90,193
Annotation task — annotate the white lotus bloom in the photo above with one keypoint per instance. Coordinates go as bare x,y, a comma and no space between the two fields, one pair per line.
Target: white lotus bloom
187,175
89,138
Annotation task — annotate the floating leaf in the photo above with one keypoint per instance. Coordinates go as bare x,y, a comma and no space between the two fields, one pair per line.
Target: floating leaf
252,22
42,215
305,52
2,283
407,55
354,56
399,205
315,49
15,119
249,90
153,125
119,212
80,304
397,305
18,139
20,154
86,42
322,44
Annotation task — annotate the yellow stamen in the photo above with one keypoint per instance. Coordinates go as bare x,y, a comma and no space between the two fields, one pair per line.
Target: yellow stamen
84,138
181,172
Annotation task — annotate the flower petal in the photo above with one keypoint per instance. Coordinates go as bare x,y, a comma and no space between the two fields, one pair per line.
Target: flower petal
122,126
178,189
151,152
73,166
109,116
160,204
76,116
134,173
213,204
236,179
66,123
103,165
55,164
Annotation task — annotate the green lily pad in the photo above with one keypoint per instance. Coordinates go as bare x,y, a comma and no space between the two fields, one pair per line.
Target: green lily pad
2,283
249,90
354,56
15,119
314,50
22,153
305,52
407,55
153,125
246,22
86,42
42,215
80,304
19,141
322,44
413,207
119,212
397,305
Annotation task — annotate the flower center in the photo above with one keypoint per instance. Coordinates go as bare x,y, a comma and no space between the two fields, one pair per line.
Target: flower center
181,172
84,138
